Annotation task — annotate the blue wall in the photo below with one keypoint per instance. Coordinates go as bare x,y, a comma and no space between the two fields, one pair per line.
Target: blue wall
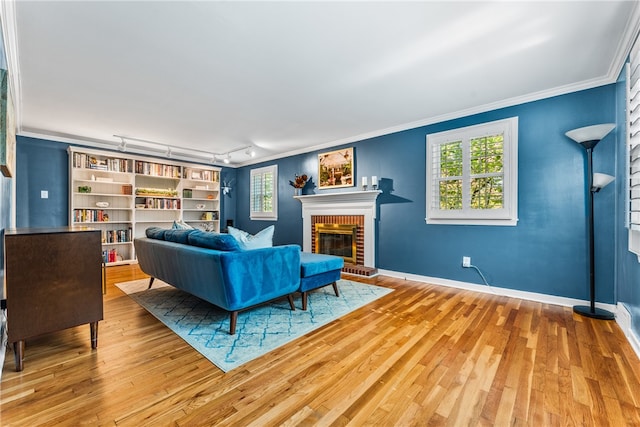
546,252
41,165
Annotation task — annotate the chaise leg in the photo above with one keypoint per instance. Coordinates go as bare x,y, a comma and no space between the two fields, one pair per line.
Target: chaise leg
290,298
335,288
304,300
233,318
151,282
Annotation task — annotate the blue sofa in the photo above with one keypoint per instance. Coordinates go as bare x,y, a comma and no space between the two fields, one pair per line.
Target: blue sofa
213,267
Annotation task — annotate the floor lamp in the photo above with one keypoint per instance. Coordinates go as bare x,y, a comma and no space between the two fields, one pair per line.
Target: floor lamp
588,137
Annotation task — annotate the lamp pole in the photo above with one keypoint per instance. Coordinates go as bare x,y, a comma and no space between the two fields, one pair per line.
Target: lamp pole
591,310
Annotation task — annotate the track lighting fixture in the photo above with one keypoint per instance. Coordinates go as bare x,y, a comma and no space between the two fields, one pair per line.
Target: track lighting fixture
128,143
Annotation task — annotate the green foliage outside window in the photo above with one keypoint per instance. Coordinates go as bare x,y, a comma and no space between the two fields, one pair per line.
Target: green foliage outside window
486,165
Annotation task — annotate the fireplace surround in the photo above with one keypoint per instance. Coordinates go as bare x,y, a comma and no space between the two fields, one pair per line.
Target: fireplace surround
355,208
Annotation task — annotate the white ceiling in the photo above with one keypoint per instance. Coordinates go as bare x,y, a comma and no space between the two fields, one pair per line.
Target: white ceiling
289,77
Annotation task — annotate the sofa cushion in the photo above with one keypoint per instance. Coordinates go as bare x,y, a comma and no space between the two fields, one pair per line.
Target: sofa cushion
155,233
181,225
311,264
220,242
178,236
262,239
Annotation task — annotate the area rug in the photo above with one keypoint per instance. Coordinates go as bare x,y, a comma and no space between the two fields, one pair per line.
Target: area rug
206,327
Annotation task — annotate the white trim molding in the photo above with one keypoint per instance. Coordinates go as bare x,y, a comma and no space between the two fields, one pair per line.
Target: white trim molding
349,203
506,292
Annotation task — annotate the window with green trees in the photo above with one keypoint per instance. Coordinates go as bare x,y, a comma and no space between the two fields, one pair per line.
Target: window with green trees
472,174
264,193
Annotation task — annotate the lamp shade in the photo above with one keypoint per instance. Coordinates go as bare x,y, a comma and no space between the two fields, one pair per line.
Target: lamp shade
601,180
590,133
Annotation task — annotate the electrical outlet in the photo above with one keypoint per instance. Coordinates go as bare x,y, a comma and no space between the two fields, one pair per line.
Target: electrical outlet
466,261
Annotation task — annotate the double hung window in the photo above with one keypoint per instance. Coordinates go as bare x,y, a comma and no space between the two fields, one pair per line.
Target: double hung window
472,175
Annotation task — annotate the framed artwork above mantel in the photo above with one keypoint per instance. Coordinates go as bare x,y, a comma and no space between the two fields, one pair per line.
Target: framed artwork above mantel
335,169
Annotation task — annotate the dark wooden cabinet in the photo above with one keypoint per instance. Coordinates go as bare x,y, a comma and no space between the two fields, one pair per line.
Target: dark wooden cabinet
53,282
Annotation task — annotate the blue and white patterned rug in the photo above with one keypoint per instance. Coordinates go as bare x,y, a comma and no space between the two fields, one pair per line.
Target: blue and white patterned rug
206,327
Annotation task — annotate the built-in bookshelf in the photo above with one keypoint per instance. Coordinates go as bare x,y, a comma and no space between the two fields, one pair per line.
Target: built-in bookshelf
201,197
122,195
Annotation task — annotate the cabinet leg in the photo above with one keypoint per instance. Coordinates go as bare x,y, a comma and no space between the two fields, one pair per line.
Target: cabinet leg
94,334
18,353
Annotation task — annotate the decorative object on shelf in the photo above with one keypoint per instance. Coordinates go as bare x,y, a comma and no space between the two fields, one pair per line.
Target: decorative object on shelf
140,205
160,192
127,189
201,206
374,182
588,137
298,183
335,169
102,204
364,183
84,189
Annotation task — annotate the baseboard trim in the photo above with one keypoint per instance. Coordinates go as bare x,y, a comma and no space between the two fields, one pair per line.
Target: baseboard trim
506,292
623,319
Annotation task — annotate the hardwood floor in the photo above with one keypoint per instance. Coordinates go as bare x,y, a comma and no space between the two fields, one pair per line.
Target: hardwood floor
422,355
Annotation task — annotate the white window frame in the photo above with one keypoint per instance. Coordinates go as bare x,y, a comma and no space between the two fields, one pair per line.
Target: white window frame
261,215
508,215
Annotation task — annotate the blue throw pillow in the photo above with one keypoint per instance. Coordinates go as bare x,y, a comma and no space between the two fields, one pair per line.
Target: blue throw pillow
262,239
155,233
177,236
217,241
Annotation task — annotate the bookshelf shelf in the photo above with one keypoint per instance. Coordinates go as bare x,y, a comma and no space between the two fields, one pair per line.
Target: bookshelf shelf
126,182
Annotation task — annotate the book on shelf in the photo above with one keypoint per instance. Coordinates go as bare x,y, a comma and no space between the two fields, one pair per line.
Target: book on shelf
90,215
117,236
159,203
157,169
111,255
111,164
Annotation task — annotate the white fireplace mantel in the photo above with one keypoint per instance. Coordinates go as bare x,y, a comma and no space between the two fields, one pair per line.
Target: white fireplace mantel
350,203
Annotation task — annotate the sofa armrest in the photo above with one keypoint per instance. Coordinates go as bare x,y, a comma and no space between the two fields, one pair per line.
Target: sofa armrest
258,275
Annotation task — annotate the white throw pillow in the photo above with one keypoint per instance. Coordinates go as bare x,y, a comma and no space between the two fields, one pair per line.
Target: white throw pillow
246,241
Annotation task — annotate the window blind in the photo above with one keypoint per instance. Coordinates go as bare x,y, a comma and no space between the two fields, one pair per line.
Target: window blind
633,147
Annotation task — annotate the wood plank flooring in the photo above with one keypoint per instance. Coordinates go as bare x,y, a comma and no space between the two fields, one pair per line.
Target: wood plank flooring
423,355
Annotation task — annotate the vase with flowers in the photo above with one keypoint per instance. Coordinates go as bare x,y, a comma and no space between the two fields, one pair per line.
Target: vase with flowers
298,183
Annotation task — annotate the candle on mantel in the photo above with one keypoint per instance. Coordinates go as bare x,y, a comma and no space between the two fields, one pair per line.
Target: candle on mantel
374,181
364,181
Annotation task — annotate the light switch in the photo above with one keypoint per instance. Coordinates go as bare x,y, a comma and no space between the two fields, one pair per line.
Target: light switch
44,194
